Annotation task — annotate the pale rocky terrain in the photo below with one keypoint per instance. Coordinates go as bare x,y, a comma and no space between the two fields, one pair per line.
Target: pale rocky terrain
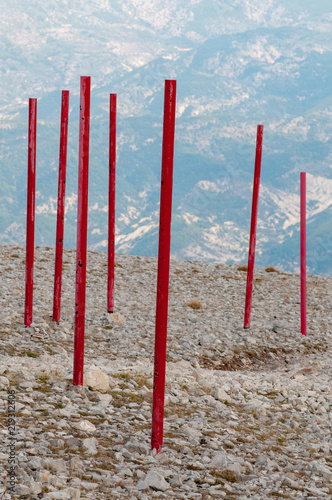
248,412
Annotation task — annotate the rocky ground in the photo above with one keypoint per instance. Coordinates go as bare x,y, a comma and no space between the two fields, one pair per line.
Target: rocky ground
248,413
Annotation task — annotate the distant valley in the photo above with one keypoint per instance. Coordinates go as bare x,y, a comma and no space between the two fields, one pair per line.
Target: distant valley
237,64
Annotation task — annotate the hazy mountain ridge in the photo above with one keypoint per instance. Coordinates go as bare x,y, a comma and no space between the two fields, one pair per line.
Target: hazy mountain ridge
237,64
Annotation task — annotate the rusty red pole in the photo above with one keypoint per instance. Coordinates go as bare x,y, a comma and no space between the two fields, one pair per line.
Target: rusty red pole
82,226
253,228
61,205
303,255
30,235
111,204
163,266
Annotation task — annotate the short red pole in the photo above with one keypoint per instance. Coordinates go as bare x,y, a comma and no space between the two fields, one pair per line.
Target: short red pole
111,204
253,228
303,255
30,235
61,205
82,225
163,266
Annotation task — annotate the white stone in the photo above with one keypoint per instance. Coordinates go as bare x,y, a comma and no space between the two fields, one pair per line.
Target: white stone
116,318
190,432
222,396
86,426
261,461
156,481
219,461
4,381
142,485
26,412
255,406
96,380
322,469
22,490
104,400
137,447
35,488
56,465
89,446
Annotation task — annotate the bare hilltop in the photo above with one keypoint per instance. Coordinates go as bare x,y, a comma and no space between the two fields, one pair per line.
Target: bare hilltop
248,412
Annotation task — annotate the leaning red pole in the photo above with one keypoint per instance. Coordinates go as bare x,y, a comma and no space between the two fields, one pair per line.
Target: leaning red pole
163,266
61,205
111,204
30,231
82,225
253,228
303,255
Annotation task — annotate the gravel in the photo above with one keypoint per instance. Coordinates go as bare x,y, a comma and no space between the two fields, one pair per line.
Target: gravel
247,412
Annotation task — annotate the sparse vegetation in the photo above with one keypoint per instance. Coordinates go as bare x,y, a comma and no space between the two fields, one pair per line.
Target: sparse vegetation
228,475
243,268
44,388
122,376
192,467
195,304
44,378
29,354
272,270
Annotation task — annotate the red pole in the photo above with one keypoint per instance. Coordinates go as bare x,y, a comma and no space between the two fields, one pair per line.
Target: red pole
82,226
163,266
61,205
253,228
111,204
303,255
30,235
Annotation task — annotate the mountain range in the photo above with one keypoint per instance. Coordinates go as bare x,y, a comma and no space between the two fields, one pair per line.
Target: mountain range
237,64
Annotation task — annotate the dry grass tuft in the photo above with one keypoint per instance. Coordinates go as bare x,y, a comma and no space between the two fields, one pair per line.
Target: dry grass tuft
243,268
272,270
228,475
195,304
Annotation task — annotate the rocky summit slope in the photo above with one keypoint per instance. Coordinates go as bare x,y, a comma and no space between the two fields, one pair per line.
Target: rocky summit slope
248,413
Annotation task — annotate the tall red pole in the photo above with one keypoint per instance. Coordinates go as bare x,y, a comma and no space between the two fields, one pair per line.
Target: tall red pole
303,255
253,228
111,204
163,266
30,235
82,226
61,205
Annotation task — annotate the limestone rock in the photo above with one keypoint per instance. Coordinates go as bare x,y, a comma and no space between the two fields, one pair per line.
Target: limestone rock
222,396
156,481
89,446
86,426
96,380
219,461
